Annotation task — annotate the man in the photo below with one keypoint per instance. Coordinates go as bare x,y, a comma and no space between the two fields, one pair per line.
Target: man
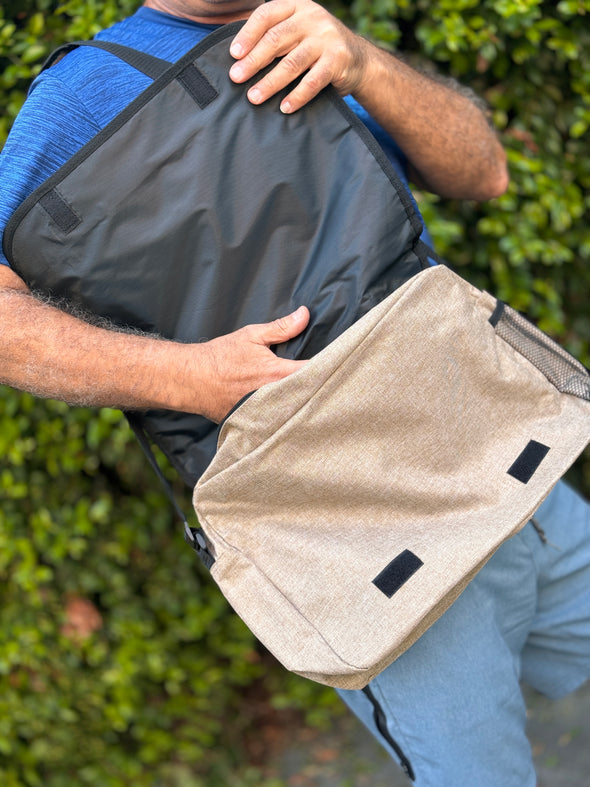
450,709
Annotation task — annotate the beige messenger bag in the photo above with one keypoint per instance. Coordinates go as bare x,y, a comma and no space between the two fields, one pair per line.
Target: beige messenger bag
349,504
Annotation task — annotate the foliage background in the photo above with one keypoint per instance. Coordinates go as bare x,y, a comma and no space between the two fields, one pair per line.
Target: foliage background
119,661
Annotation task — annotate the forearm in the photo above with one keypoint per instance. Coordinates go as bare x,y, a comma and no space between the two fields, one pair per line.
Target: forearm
52,354
449,143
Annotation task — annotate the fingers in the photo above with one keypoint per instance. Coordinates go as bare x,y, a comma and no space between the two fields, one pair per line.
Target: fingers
302,59
315,80
263,19
270,37
310,44
280,330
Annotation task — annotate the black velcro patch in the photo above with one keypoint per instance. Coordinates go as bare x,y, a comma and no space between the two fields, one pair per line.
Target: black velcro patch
197,85
59,210
397,572
529,460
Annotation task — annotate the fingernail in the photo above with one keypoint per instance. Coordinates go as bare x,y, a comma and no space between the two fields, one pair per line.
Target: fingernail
285,107
236,71
236,50
299,313
254,95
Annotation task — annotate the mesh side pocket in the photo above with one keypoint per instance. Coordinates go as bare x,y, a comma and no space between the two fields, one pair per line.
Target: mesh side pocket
559,367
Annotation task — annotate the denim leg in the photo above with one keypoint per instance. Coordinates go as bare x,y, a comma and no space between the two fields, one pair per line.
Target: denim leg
556,657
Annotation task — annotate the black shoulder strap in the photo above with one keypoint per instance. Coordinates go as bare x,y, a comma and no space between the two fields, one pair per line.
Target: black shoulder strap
193,535
149,65
428,255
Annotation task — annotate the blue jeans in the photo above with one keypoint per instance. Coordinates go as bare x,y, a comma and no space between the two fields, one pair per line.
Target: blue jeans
450,709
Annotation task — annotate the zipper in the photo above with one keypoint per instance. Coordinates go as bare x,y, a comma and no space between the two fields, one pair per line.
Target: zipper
381,723
542,535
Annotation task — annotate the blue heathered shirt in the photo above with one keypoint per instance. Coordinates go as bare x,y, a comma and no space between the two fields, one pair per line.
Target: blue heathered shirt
65,107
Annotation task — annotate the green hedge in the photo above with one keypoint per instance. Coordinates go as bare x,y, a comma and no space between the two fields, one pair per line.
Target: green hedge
120,663
530,60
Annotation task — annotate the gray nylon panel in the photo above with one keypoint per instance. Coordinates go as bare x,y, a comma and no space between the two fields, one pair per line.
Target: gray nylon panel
226,215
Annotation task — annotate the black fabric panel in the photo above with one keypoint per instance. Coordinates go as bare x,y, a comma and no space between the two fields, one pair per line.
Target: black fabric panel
393,576
529,460
197,85
380,156
59,210
114,127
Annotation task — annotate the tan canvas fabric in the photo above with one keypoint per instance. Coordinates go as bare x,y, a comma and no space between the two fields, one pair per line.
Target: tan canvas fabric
401,451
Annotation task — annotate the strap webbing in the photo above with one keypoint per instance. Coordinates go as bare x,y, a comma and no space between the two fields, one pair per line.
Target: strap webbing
149,65
193,81
192,535
426,252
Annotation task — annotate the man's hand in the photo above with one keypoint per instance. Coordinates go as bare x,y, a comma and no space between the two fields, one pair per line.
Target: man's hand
311,44
238,363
